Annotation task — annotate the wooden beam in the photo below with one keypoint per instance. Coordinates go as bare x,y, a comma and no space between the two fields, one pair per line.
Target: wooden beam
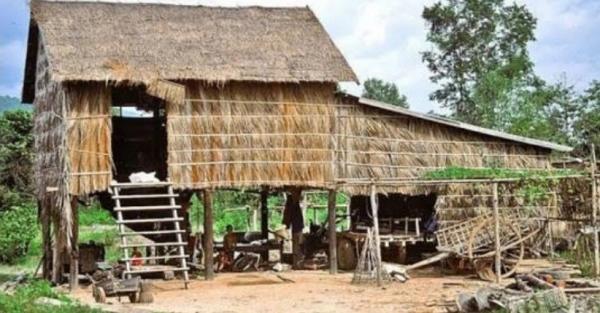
208,237
74,255
331,201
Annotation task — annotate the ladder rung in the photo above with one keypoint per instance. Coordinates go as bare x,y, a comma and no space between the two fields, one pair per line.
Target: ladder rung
147,208
153,232
151,220
164,257
154,244
140,185
150,196
157,270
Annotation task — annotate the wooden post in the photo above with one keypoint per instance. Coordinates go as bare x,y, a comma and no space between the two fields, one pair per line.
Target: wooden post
498,258
264,218
595,212
264,213
208,237
74,261
331,206
375,209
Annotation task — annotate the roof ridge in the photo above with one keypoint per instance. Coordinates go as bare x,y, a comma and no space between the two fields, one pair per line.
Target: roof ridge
142,2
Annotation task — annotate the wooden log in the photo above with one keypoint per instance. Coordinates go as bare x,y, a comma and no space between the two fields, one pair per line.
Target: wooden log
74,261
537,282
332,232
208,237
434,259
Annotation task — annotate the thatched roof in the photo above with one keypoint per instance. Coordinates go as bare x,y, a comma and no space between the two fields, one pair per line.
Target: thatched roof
460,125
91,41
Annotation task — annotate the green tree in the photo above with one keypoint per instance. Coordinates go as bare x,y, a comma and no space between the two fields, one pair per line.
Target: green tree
379,90
16,157
587,127
471,39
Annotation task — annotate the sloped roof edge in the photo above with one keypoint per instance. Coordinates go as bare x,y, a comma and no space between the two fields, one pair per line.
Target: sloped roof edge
463,126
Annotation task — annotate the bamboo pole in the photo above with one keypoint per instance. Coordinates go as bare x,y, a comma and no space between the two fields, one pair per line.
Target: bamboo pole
595,212
375,209
208,235
331,201
264,218
498,258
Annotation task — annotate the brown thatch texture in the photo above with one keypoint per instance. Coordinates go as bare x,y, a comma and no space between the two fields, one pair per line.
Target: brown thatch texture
144,42
89,137
51,169
378,144
257,134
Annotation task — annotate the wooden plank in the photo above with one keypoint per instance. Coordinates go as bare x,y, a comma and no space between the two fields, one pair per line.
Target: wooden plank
151,232
153,196
148,208
158,270
153,244
149,220
140,185
162,257
179,239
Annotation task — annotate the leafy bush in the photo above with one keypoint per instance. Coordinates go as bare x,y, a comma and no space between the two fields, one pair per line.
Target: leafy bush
23,300
17,229
16,157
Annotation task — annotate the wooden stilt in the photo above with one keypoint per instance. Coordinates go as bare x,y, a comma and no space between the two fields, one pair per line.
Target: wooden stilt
208,237
293,217
58,250
595,212
498,258
74,255
264,218
375,210
332,236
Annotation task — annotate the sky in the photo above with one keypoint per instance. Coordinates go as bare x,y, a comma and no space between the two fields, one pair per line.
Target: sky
382,39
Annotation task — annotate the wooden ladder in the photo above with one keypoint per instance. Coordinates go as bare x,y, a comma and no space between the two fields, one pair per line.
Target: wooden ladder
172,221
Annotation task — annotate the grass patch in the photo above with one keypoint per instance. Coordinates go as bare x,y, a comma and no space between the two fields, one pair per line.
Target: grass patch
490,173
95,215
23,300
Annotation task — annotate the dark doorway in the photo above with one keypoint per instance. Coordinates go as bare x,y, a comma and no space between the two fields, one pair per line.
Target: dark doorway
139,136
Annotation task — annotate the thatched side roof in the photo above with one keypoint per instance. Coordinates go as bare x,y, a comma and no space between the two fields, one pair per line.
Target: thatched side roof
456,125
91,41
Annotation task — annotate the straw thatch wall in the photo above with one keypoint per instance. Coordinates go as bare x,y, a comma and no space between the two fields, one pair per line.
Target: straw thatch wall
262,134
378,144
89,137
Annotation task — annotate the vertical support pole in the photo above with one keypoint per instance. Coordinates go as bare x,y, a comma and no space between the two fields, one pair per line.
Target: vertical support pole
375,210
209,272
331,206
264,218
264,213
74,261
498,259
595,212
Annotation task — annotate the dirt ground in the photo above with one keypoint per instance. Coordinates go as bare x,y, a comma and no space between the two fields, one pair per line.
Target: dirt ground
310,291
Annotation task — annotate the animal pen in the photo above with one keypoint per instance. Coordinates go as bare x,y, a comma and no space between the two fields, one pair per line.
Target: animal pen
258,111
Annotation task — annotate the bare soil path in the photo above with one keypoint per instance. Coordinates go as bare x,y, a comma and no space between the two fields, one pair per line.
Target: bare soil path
311,291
